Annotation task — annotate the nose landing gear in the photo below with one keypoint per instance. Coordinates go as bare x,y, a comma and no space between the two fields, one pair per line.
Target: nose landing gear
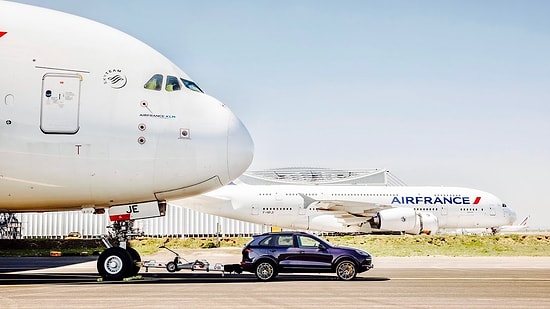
122,261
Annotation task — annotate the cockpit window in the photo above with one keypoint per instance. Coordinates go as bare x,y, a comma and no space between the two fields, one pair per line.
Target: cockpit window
172,83
191,85
154,83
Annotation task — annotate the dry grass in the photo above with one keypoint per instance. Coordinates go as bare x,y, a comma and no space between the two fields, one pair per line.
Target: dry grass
378,245
448,245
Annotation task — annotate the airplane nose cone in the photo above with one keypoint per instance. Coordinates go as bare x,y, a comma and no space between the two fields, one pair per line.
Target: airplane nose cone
240,148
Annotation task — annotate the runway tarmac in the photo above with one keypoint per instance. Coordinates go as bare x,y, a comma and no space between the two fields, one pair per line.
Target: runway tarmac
416,282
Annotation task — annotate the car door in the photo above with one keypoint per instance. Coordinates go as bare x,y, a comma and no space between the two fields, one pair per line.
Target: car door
281,249
307,256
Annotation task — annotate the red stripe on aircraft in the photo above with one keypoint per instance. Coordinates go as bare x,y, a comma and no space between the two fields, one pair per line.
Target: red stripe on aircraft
2,33
119,217
477,200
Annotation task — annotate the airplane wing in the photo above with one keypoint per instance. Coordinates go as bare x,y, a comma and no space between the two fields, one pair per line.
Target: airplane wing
356,209
348,219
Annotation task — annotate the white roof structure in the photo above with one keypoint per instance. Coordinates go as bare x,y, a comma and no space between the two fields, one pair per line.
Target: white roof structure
318,176
183,222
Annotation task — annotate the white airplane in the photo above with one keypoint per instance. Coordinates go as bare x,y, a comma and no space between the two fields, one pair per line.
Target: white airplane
490,230
355,208
91,117
514,228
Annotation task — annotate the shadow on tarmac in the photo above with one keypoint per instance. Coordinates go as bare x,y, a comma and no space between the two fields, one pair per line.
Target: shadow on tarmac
9,265
17,263
157,278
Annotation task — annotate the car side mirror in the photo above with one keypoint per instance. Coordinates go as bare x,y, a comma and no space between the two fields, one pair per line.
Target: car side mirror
321,247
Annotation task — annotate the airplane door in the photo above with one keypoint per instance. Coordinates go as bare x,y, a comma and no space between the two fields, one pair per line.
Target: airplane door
60,106
255,210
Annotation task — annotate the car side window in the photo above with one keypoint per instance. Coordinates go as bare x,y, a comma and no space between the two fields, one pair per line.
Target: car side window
307,242
285,241
266,242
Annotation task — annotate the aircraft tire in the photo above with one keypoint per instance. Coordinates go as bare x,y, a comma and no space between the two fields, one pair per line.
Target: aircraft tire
114,264
136,259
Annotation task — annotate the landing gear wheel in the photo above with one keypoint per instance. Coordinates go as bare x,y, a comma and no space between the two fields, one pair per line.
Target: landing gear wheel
265,271
114,264
171,267
346,270
136,259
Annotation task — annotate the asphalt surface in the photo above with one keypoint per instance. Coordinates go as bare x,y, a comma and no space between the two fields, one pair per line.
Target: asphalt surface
11,264
421,282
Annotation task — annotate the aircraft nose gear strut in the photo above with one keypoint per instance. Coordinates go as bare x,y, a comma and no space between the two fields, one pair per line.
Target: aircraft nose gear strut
119,260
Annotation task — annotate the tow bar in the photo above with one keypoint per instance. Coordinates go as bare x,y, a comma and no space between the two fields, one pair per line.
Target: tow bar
179,263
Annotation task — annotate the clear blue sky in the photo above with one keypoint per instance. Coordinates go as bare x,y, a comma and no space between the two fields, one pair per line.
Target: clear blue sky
450,93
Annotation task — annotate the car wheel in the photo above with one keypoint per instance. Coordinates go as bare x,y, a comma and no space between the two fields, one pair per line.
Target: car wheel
265,271
346,270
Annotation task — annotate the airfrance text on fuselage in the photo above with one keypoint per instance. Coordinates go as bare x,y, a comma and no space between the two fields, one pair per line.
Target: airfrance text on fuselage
459,200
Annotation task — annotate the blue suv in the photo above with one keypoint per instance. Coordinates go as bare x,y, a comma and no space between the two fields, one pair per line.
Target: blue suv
291,252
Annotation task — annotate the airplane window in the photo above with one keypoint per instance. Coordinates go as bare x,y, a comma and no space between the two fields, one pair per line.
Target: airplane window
154,83
172,83
191,85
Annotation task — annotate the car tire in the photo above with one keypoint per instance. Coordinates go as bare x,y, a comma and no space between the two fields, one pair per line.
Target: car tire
346,270
265,270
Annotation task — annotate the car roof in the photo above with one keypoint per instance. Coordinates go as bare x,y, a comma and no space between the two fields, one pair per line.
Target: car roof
284,233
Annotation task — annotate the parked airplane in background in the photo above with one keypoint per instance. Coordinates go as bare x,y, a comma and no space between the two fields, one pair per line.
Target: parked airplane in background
489,230
93,118
355,208
513,228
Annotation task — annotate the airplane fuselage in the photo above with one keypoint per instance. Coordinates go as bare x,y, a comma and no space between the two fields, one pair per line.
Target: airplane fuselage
351,206
80,128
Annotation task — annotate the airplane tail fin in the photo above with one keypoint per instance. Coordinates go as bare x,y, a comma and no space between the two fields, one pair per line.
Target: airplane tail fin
524,222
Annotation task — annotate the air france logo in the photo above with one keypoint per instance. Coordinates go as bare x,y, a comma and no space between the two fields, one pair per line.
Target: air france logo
428,200
114,78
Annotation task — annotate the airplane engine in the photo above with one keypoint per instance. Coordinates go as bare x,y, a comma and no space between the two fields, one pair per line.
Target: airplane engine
429,221
406,220
397,219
